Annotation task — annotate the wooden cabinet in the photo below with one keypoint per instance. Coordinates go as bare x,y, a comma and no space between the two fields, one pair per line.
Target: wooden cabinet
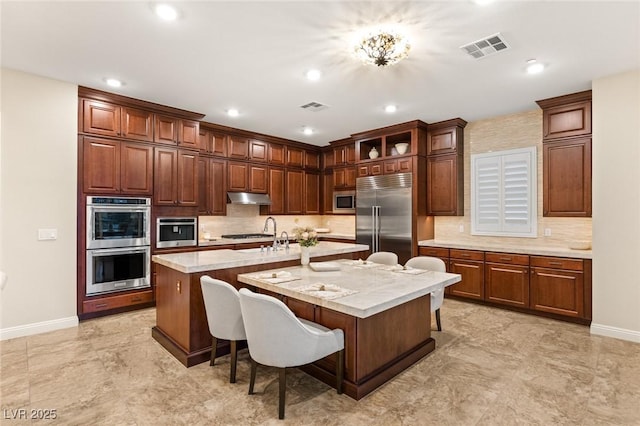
311,160
165,130
276,154
276,192
444,175
295,191
507,279
175,177
188,134
557,286
115,167
344,154
243,177
439,252
257,151
327,193
311,193
400,165
107,119
295,157
238,147
258,179
567,177
105,303
470,265
371,169
566,126
212,143
212,192
344,177
445,168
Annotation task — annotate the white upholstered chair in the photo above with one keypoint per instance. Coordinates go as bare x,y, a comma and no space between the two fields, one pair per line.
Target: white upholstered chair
432,264
383,257
222,305
277,338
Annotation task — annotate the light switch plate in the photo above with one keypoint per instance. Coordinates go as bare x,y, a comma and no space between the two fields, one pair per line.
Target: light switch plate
47,234
547,232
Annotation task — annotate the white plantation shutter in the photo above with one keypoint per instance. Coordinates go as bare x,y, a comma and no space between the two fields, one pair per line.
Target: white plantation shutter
503,193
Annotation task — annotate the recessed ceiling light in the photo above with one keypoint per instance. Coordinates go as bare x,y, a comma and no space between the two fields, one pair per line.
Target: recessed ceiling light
232,112
390,108
113,82
534,66
166,12
307,131
314,75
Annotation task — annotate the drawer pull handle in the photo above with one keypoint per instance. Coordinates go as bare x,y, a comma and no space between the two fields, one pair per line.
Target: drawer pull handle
101,305
555,263
505,258
136,299
465,255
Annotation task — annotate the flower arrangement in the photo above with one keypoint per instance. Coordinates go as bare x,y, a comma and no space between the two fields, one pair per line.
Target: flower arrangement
306,236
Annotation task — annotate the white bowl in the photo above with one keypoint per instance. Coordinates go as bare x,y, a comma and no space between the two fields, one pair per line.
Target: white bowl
580,245
402,147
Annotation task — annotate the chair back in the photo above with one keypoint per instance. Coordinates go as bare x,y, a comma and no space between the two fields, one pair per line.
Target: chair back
384,257
277,338
222,306
431,264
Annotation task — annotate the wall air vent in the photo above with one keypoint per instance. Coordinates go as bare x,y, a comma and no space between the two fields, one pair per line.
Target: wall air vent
314,106
486,46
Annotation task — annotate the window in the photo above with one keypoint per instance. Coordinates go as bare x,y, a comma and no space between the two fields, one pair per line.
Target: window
503,193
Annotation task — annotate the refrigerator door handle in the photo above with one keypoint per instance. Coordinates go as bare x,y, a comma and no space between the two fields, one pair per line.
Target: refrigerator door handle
374,233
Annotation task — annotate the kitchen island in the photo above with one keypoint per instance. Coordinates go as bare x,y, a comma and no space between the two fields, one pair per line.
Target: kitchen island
181,322
383,311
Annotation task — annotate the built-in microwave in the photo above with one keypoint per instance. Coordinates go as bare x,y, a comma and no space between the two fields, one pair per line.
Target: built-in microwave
344,202
176,232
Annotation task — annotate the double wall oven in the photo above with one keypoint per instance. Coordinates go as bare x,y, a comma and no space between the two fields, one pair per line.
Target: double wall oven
118,255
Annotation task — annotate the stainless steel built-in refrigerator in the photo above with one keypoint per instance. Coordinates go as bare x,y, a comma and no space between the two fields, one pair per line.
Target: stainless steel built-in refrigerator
383,213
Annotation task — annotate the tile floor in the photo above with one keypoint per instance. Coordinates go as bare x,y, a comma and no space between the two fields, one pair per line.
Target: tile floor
490,367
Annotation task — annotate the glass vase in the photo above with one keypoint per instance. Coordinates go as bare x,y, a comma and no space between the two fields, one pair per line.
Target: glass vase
304,255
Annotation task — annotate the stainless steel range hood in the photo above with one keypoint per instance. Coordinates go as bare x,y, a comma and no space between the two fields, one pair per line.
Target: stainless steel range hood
249,198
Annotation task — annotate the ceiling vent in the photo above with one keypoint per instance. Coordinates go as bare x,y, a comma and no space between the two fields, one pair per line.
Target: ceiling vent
486,46
314,106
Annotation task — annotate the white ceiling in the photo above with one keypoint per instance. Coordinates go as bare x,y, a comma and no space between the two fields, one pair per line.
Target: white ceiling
253,56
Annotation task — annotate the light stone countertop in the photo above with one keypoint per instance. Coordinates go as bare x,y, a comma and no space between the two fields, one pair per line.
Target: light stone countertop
378,288
209,260
337,236
219,241
504,248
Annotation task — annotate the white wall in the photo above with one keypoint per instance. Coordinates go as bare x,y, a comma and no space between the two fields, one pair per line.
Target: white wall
38,179
616,206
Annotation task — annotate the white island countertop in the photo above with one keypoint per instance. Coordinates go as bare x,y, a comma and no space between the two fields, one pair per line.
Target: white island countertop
506,248
373,288
210,260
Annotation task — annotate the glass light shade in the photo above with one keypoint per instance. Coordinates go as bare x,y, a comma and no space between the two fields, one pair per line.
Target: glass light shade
382,48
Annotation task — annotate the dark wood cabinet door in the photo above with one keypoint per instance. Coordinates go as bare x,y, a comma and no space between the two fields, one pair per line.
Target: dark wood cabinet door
258,179
567,178
443,140
137,124
350,175
339,178
311,193
165,176
276,154
101,166
258,151
472,283
238,147
101,118
295,191
327,159
363,170
204,201
444,193
300,308
295,157
238,176
136,168
507,284
204,140
567,120
339,156
218,144
350,154
348,324
166,130
276,191
311,160
218,187
557,291
187,178
188,134
327,193
405,165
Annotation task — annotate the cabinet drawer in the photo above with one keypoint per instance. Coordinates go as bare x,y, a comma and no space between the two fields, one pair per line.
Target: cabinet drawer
111,302
433,251
466,254
557,263
511,259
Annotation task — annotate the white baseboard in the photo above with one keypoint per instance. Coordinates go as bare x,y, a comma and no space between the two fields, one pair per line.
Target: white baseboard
38,327
615,332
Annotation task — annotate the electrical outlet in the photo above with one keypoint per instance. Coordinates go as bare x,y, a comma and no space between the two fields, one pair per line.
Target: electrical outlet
47,234
547,232
461,228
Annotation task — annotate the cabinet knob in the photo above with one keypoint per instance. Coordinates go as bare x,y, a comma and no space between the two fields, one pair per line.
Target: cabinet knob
179,286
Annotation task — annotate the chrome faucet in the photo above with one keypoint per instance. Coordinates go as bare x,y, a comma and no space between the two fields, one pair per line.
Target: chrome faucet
275,232
286,241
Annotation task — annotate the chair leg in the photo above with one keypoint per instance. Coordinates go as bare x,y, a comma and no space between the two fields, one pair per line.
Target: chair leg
283,387
234,361
214,346
438,319
339,370
252,380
